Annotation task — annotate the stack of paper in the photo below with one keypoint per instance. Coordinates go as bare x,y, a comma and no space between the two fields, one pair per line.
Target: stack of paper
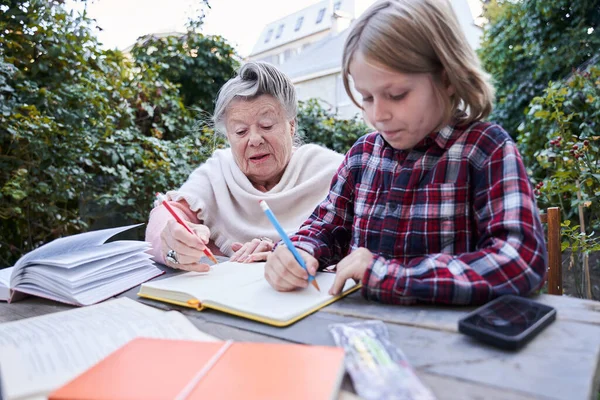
80,269
40,354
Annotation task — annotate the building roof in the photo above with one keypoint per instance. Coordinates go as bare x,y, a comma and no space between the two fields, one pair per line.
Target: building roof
308,21
324,56
320,57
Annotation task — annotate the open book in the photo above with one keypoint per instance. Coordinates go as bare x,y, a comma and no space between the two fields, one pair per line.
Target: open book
40,354
242,290
80,269
180,369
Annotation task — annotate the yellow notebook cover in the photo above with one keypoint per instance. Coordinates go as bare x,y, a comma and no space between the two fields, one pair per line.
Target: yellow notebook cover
241,290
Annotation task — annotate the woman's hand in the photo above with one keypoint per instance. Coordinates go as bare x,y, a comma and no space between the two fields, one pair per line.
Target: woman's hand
353,266
188,248
283,272
256,250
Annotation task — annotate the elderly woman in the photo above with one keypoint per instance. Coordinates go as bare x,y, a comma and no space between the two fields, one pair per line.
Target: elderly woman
256,110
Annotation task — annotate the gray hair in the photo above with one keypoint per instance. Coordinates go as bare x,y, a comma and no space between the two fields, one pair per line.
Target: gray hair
256,78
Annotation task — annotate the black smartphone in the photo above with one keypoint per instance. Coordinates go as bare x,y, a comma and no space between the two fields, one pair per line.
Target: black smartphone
507,322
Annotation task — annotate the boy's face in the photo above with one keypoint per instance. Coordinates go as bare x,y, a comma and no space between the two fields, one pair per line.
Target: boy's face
404,108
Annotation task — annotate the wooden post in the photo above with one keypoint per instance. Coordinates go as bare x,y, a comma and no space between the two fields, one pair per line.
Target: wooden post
554,252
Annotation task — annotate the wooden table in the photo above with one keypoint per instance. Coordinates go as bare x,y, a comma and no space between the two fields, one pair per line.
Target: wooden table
561,363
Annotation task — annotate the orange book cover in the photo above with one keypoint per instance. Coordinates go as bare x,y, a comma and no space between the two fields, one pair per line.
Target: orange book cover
160,369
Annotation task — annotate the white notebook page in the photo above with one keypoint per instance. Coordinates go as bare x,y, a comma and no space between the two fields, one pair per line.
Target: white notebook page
40,354
243,287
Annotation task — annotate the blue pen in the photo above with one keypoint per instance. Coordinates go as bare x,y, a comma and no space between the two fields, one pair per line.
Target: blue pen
287,241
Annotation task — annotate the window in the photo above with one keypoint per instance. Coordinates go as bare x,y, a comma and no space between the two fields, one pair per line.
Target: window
321,15
279,31
337,6
289,53
269,34
299,23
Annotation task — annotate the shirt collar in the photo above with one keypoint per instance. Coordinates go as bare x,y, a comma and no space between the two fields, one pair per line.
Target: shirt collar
444,138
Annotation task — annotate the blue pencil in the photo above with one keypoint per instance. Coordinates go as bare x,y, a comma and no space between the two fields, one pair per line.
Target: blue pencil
287,241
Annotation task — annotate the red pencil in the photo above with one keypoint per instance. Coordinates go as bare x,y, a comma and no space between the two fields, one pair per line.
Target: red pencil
208,253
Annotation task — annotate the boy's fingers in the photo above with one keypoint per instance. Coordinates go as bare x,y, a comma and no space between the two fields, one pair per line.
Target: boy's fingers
283,271
311,264
338,283
277,282
291,264
289,273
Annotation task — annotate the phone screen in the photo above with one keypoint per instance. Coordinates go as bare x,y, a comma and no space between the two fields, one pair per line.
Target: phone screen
509,316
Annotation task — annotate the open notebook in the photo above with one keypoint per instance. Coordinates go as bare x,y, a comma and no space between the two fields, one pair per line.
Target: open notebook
242,290
80,269
177,369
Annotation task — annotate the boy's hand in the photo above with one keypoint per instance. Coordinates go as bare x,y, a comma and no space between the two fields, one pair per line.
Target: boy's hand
352,266
283,272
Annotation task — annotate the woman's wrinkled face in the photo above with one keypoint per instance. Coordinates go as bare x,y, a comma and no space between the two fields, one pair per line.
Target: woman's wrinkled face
260,135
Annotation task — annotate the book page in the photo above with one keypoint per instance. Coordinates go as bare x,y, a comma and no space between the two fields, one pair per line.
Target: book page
62,246
242,287
262,300
94,253
223,277
40,354
5,274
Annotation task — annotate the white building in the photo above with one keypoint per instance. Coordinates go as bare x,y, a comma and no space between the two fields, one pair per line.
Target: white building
307,45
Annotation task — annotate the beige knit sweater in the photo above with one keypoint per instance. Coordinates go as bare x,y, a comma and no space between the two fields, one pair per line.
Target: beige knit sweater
225,200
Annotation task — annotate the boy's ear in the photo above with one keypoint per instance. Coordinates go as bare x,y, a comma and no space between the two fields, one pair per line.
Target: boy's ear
450,89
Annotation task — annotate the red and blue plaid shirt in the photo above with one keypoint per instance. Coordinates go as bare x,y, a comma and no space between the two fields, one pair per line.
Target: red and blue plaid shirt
452,220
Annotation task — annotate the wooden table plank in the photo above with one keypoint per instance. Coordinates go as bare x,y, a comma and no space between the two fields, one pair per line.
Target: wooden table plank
446,318
539,369
562,362
30,307
442,387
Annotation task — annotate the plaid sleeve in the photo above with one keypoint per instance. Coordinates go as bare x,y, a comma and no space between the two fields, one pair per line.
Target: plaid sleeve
510,255
326,234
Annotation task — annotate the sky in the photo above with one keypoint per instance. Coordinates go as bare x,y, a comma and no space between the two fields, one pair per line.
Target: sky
239,21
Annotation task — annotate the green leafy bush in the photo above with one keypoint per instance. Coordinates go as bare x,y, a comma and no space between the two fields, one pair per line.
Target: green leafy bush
529,43
84,133
560,144
198,64
317,125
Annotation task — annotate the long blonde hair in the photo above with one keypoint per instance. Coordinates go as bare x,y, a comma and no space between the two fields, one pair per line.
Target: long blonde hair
423,36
